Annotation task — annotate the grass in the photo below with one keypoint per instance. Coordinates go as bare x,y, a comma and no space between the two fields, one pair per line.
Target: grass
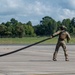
30,40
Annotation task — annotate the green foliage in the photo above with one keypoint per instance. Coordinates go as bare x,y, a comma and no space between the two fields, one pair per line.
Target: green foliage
19,30
46,27
29,23
29,30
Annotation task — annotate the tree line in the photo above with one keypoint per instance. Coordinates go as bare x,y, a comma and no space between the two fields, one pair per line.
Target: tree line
46,27
13,28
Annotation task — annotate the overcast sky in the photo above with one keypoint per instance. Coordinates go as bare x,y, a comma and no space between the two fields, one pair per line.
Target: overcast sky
35,10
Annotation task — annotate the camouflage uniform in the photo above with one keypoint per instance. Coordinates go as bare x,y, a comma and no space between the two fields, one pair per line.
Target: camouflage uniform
63,34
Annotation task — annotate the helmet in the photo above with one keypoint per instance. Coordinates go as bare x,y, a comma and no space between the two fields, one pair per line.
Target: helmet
63,27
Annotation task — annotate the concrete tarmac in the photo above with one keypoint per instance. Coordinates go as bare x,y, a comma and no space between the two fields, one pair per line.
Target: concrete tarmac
36,60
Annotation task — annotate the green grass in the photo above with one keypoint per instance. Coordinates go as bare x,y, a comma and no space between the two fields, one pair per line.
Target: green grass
30,40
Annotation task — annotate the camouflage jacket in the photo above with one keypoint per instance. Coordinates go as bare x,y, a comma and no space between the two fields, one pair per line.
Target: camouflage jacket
62,35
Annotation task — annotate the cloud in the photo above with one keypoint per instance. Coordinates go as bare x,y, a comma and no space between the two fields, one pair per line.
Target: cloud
65,13
8,7
35,10
72,4
63,9
39,8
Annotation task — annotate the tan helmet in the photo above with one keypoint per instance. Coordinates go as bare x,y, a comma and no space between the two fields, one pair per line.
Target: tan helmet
63,27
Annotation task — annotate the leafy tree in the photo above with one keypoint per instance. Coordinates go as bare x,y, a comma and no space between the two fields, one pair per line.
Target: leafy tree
13,21
2,30
72,26
47,26
67,22
8,31
29,30
20,30
58,24
38,29
29,23
73,22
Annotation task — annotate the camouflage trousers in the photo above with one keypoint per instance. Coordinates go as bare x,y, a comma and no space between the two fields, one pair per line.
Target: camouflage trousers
63,45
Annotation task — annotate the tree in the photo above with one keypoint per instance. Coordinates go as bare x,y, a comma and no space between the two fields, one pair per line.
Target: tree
47,26
29,23
73,22
67,23
72,26
19,30
58,24
2,30
29,30
13,21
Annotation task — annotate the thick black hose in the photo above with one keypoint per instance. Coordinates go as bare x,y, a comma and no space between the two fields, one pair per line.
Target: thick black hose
23,48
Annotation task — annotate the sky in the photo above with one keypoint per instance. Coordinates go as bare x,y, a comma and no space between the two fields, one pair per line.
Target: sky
35,10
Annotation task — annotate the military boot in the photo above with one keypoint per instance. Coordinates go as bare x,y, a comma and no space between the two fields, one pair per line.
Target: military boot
54,56
66,57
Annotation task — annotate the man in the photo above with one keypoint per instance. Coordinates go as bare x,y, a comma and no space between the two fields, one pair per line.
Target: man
63,34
